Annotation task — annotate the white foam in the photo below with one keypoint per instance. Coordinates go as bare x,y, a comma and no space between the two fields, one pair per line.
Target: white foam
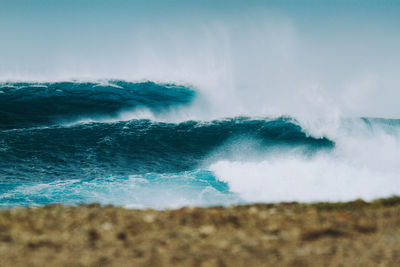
364,164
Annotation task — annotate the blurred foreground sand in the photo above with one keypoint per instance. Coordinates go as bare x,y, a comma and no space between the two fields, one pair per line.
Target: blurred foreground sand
286,234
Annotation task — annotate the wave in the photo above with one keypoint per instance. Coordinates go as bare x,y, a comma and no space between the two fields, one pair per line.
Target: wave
143,163
141,146
35,104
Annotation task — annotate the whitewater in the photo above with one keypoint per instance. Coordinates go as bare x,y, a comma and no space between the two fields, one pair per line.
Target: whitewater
175,105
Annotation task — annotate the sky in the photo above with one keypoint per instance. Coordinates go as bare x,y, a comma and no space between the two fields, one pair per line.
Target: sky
265,57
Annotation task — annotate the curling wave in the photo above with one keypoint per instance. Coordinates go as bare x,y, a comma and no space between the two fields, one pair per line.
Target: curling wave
138,146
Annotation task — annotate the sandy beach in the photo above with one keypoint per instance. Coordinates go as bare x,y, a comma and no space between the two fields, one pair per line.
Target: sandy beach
286,234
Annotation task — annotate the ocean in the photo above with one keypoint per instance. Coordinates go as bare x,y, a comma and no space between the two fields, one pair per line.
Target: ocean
73,142
164,104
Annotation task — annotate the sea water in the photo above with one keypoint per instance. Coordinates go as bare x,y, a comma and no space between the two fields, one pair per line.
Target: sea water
161,105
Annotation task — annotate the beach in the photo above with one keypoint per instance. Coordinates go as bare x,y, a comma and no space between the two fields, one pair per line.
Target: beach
353,233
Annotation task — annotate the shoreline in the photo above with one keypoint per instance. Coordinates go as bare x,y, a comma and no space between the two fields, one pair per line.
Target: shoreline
355,233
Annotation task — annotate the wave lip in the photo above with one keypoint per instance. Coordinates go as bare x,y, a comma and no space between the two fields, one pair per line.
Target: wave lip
24,104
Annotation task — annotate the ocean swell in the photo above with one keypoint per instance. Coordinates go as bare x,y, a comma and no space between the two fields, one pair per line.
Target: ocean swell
35,104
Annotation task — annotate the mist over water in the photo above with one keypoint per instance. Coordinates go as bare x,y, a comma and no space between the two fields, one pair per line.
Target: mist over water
260,96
